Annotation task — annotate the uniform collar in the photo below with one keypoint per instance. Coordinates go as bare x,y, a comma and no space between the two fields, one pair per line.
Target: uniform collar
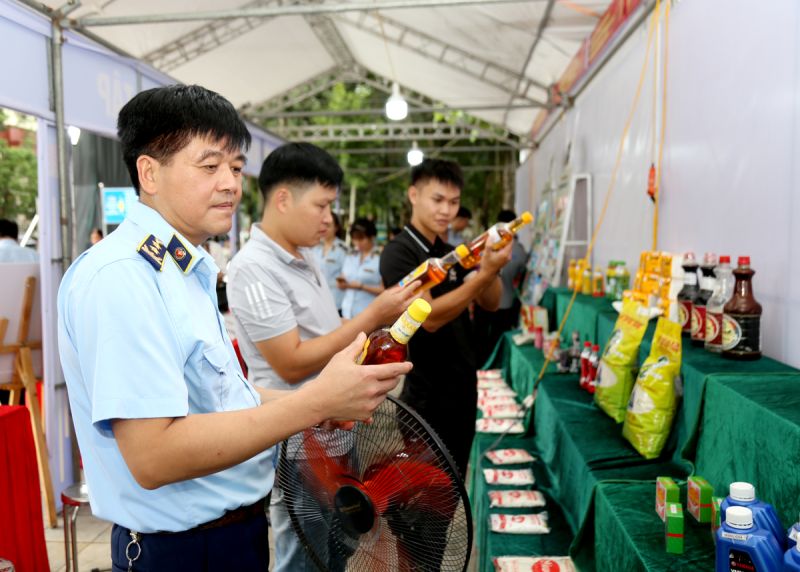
151,222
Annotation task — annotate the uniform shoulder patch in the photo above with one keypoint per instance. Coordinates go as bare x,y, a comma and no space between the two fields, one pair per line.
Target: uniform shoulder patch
153,250
179,253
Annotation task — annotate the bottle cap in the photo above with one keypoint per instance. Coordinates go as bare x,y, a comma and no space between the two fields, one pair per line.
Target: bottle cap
710,259
739,517
724,259
744,261
743,492
526,217
595,348
462,251
419,310
688,258
587,344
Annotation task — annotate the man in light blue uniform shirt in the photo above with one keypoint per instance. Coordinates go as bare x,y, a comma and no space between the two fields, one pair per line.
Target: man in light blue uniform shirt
10,249
177,445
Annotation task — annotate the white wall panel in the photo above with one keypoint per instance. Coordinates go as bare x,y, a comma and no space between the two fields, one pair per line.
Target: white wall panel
733,128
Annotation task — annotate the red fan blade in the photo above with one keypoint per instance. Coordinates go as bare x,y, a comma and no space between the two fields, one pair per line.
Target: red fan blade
326,470
403,480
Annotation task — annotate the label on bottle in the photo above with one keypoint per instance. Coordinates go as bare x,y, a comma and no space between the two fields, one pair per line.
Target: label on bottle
414,274
741,333
714,328
363,355
738,560
698,327
493,237
404,328
734,536
685,315
690,279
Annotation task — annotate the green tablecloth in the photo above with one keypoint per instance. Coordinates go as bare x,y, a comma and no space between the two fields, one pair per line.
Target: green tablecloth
584,315
751,432
548,302
626,534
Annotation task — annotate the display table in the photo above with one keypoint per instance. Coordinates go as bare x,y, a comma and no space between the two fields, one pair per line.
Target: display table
625,533
21,526
751,432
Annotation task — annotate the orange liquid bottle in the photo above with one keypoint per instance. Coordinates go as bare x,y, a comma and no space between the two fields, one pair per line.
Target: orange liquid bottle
390,345
497,236
434,270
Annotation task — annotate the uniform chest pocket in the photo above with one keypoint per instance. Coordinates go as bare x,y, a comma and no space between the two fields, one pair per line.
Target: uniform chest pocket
215,369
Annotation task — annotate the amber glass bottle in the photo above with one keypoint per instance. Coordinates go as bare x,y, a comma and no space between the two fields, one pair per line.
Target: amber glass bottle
497,236
390,345
434,270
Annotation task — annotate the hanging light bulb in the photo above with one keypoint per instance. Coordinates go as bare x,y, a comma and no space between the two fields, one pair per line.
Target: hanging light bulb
396,106
415,155
74,134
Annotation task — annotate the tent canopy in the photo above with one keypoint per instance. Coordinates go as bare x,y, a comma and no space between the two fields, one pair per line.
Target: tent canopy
493,59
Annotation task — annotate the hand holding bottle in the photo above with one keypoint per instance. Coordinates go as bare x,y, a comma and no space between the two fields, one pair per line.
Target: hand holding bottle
494,260
392,302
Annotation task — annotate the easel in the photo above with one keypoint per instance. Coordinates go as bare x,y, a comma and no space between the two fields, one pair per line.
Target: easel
24,378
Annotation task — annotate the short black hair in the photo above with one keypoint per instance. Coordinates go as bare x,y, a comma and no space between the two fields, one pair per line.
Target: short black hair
363,226
464,212
9,229
506,215
297,165
447,172
159,122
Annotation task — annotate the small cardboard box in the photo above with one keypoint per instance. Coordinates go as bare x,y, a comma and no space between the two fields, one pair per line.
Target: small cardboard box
673,527
699,496
716,516
666,491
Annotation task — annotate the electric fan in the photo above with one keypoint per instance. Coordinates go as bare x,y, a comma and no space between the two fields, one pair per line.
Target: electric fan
384,496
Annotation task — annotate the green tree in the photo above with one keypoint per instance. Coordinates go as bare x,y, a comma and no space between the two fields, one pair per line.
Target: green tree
18,184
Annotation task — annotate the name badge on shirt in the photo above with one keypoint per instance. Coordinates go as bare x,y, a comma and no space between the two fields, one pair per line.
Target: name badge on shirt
368,271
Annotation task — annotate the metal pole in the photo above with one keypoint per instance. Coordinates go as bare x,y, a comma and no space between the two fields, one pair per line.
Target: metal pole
271,12
352,210
66,213
381,111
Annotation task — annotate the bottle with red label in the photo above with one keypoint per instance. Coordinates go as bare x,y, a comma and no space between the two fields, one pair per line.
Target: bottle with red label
722,293
688,293
707,284
594,364
587,351
741,320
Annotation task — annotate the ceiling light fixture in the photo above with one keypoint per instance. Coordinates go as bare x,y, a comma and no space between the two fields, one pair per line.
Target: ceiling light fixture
415,155
396,106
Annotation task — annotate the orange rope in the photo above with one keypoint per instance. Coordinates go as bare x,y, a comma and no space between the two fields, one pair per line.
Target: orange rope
663,125
580,9
611,184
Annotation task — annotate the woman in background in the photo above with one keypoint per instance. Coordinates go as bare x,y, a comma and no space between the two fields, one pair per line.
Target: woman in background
360,279
330,254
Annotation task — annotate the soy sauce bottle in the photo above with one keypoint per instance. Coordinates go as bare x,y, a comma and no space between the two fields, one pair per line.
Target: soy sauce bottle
741,320
688,293
707,284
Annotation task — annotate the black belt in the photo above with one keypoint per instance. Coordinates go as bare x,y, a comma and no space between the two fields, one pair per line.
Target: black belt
236,515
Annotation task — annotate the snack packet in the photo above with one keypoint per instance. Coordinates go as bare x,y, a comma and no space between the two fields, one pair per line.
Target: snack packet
496,392
490,374
615,374
519,523
509,477
502,411
533,564
653,400
516,499
509,456
491,383
495,400
489,425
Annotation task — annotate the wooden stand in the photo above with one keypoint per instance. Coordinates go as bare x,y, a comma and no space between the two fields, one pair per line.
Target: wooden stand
24,379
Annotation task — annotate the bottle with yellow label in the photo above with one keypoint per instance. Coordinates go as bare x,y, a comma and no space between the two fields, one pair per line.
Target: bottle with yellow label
390,345
434,270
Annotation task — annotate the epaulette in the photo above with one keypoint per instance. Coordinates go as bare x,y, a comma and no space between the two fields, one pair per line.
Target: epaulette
179,253
153,250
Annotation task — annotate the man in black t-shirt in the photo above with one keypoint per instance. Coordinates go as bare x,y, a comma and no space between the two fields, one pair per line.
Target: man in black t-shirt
442,386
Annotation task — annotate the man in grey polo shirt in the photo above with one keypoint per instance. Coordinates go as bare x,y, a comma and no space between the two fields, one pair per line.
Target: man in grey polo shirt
285,317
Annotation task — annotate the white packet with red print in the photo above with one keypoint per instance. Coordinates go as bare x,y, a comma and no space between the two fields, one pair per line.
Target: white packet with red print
496,400
534,564
502,411
509,456
516,499
509,477
496,392
490,374
491,383
489,425
520,523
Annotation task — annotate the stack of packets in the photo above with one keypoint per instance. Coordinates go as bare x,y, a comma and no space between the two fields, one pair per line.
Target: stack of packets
497,402
701,504
514,498
657,282
534,563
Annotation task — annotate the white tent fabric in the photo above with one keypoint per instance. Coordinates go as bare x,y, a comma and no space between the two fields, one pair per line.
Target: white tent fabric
251,61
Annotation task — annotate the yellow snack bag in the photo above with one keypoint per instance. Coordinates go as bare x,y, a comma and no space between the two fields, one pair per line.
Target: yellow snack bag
615,374
653,400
